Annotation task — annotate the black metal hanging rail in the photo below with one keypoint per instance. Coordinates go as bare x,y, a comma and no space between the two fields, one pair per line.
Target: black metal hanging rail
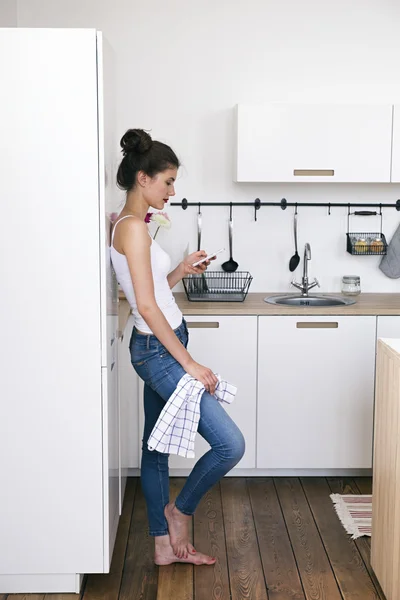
284,204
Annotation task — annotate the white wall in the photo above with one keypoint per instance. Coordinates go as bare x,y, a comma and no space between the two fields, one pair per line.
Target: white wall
8,13
181,67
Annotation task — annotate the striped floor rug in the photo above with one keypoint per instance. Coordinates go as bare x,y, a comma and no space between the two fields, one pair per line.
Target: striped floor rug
354,512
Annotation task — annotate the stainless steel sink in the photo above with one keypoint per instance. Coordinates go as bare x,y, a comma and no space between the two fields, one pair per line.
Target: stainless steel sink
291,300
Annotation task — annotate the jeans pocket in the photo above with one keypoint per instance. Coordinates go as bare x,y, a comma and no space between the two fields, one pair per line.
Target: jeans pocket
142,370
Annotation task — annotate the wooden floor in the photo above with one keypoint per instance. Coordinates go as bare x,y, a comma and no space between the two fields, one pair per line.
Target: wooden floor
277,539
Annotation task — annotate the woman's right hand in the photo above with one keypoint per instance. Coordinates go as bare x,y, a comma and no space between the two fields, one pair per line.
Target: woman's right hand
203,374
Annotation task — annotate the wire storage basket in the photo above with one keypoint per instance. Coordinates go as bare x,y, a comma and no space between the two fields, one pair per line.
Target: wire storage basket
217,286
365,244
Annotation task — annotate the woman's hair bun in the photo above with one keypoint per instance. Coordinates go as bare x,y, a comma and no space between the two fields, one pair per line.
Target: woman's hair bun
135,140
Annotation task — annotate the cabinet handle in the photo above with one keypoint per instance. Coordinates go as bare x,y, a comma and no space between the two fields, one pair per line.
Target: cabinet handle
317,325
112,341
203,325
314,172
112,365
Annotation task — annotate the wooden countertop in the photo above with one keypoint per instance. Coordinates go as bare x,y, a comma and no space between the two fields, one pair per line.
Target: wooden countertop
366,304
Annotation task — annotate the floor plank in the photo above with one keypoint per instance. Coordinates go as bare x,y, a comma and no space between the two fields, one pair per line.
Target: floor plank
106,587
175,582
26,596
315,570
348,566
140,574
347,485
364,484
245,570
211,582
277,556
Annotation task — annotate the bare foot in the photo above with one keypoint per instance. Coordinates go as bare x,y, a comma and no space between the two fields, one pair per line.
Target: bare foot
164,554
178,527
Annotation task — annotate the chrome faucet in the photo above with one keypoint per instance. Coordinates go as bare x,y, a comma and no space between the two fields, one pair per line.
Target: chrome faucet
304,286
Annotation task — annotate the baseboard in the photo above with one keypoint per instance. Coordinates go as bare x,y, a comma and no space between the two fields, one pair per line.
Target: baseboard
275,473
41,584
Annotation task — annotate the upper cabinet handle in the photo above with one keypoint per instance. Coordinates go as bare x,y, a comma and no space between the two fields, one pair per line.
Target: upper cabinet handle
317,324
203,324
314,172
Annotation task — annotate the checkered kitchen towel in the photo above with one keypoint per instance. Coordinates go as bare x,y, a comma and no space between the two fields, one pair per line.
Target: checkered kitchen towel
176,427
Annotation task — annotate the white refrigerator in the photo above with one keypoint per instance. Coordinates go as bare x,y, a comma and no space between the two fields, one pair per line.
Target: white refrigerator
61,487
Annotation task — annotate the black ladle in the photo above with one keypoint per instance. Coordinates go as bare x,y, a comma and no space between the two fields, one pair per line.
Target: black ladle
230,265
294,261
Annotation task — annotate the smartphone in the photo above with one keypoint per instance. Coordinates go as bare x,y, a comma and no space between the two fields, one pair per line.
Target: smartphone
207,257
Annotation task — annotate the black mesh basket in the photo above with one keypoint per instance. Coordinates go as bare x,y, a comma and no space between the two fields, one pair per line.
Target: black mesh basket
217,286
365,244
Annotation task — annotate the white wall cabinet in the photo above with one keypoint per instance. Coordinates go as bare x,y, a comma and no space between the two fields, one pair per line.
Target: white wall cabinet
228,345
315,392
314,143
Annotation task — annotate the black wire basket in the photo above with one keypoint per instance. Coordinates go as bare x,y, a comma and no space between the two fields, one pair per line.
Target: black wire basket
365,244
217,286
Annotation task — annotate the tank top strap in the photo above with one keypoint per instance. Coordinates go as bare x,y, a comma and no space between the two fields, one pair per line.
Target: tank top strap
121,219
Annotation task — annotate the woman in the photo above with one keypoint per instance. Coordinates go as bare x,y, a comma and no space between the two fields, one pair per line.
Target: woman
147,173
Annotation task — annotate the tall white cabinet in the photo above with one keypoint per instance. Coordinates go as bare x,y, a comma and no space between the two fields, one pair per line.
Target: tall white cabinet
59,422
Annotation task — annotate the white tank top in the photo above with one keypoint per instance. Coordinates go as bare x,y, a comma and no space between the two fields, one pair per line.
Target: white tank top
160,266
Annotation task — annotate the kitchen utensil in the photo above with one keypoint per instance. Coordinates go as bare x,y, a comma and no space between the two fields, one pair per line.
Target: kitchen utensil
198,283
199,224
230,265
294,261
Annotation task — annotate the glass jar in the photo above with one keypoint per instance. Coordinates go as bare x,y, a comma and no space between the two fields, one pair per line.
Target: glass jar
351,285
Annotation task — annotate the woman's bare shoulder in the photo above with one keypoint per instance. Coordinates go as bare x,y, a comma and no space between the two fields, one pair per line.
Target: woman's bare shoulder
127,227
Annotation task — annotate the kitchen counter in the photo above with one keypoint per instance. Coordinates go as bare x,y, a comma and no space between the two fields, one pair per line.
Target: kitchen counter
366,304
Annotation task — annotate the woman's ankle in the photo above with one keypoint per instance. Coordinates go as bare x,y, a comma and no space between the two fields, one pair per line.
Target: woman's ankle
161,541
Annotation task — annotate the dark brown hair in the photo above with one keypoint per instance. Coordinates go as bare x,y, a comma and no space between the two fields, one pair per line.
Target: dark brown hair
141,153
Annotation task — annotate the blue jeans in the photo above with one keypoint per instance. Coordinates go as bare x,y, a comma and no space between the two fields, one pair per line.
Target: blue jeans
161,374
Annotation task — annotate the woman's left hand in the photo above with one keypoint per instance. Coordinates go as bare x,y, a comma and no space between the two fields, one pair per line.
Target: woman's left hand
187,263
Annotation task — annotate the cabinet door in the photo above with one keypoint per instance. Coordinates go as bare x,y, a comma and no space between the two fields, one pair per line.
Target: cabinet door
128,397
111,466
395,174
228,345
388,327
315,392
303,143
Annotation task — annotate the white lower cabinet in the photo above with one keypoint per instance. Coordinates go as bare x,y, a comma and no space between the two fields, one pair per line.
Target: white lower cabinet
388,327
129,405
315,392
228,345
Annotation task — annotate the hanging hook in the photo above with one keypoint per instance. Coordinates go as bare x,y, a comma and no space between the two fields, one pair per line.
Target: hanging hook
329,208
199,207
295,209
230,211
257,204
